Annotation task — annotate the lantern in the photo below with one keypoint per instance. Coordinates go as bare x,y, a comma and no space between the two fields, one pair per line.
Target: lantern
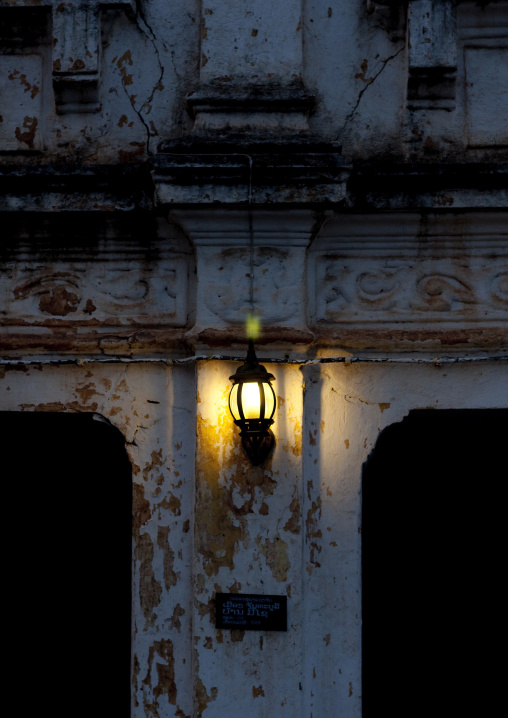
252,404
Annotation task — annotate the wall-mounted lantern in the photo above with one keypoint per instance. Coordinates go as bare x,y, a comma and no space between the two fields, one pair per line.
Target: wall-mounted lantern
252,404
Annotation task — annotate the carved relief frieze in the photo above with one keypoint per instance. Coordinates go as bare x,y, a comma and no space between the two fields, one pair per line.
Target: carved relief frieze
249,260
111,292
410,291
90,281
401,272
227,294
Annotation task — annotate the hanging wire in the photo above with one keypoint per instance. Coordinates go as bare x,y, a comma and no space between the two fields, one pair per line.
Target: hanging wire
253,321
81,361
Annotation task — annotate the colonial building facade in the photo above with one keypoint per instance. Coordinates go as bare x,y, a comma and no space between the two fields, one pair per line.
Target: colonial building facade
338,169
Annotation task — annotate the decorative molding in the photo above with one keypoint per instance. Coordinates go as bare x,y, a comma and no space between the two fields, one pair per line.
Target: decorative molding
251,107
428,186
249,169
74,188
77,281
113,293
409,270
230,227
230,244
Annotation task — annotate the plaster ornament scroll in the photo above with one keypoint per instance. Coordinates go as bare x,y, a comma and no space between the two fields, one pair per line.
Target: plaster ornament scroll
378,289
113,292
142,293
414,290
227,292
442,293
56,293
499,290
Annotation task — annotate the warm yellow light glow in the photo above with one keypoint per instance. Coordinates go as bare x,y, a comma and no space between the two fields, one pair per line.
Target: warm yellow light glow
251,401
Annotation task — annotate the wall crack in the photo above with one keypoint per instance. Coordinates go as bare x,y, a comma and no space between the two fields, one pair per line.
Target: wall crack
146,29
370,81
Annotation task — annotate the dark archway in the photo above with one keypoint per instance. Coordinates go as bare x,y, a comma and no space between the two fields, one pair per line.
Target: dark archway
67,488
433,557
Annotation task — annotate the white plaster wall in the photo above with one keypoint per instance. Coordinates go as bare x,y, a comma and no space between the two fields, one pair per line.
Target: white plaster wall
211,522
360,82
353,56
154,408
346,407
148,59
248,539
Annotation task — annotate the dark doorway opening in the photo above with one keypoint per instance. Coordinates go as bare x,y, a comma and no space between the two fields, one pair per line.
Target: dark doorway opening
67,488
433,564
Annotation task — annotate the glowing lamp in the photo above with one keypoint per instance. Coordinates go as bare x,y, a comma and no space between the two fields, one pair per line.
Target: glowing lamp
252,404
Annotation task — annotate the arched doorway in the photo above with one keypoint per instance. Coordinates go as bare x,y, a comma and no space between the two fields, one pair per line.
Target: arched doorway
67,490
433,548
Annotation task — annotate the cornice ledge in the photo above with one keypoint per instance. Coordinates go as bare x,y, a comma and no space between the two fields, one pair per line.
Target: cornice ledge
249,168
74,187
228,95
409,186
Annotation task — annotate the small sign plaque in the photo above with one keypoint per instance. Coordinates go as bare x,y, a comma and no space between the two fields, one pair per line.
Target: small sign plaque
251,612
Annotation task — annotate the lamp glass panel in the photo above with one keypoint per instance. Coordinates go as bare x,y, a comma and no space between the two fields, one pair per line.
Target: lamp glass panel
269,401
233,402
251,400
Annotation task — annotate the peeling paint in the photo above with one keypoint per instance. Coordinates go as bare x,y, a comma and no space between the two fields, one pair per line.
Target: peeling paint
175,618
224,504
26,133
202,697
170,576
276,555
165,685
151,590
358,263
294,522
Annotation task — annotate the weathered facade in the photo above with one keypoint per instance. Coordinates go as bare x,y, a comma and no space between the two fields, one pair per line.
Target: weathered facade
340,169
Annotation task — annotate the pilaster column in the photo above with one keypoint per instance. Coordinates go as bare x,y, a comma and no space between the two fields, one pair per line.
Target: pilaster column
432,52
76,52
251,67
249,261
